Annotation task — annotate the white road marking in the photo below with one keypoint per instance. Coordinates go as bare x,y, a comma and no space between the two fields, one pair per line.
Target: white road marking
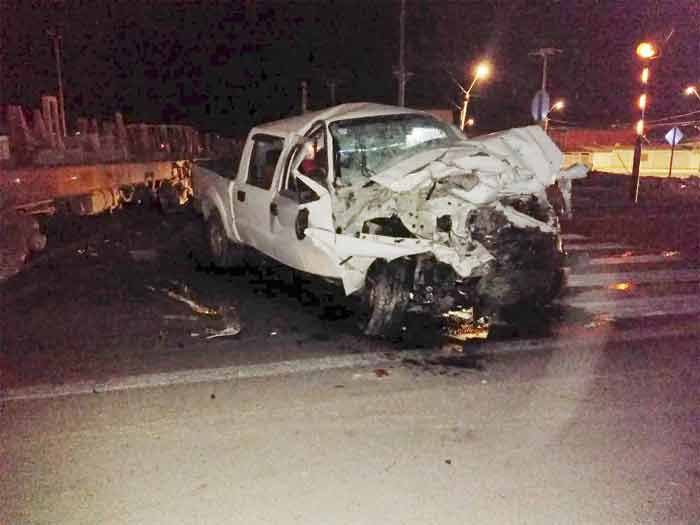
632,307
594,246
577,280
229,373
610,294
573,237
633,259
584,341
204,375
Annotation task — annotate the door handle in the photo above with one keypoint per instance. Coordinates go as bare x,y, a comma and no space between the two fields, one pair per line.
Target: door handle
241,195
273,209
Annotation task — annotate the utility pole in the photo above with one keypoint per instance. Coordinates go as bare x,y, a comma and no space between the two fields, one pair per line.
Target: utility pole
56,37
401,74
304,96
332,84
545,53
646,51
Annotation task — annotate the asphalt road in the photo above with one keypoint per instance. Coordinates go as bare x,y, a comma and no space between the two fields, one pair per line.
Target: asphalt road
117,409
605,435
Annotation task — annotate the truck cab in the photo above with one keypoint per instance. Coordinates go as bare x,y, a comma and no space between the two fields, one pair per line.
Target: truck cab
268,202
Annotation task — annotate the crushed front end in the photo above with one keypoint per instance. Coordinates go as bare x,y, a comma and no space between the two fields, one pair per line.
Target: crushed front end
428,221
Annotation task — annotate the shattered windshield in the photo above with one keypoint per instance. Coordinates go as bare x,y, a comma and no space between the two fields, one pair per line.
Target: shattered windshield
364,147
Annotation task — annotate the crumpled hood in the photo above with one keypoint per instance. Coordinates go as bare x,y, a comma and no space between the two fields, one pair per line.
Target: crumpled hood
514,162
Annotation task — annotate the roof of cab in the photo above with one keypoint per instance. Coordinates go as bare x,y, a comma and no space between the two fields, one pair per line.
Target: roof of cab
300,124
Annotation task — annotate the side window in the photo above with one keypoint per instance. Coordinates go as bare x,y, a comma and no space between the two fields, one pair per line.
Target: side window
293,188
263,160
316,162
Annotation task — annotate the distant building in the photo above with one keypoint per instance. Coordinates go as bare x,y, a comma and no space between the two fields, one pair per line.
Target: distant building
612,151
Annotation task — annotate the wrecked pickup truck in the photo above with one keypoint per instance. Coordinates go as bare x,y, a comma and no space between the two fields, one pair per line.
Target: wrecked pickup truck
397,207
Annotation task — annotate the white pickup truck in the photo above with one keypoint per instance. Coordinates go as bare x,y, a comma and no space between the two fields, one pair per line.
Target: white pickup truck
395,206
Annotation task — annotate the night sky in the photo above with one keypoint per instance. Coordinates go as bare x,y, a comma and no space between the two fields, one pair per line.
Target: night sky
224,66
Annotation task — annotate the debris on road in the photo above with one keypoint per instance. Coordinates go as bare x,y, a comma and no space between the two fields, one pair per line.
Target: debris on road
181,318
230,330
89,251
381,372
460,325
200,309
226,315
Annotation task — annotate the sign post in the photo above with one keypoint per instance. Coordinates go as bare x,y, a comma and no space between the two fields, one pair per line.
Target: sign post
673,137
540,106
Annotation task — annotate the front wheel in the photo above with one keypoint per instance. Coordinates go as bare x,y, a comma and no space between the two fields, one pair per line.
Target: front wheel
223,253
388,293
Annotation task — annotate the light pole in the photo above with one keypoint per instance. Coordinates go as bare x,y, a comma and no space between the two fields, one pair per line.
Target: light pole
646,51
400,72
692,90
56,37
482,70
545,53
557,106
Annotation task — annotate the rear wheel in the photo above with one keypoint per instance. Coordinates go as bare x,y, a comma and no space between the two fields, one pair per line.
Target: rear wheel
222,252
388,292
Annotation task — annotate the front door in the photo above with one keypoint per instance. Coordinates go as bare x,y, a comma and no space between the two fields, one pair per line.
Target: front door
301,202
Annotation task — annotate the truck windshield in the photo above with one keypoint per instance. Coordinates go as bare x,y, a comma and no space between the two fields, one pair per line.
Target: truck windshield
364,147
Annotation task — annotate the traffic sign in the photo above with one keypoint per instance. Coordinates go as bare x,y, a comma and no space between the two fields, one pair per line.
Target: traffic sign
674,136
540,105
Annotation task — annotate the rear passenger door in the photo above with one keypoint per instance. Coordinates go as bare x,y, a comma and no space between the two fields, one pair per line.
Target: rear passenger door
252,195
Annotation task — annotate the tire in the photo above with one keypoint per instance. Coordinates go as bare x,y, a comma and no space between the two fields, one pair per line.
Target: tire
222,252
387,295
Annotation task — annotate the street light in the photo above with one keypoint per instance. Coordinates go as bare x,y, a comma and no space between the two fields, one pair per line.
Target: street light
646,51
481,71
55,36
692,90
557,106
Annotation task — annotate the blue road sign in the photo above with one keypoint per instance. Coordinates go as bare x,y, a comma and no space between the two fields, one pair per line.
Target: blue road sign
540,105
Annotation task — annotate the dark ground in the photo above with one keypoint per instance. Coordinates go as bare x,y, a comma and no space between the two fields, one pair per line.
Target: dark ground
95,303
